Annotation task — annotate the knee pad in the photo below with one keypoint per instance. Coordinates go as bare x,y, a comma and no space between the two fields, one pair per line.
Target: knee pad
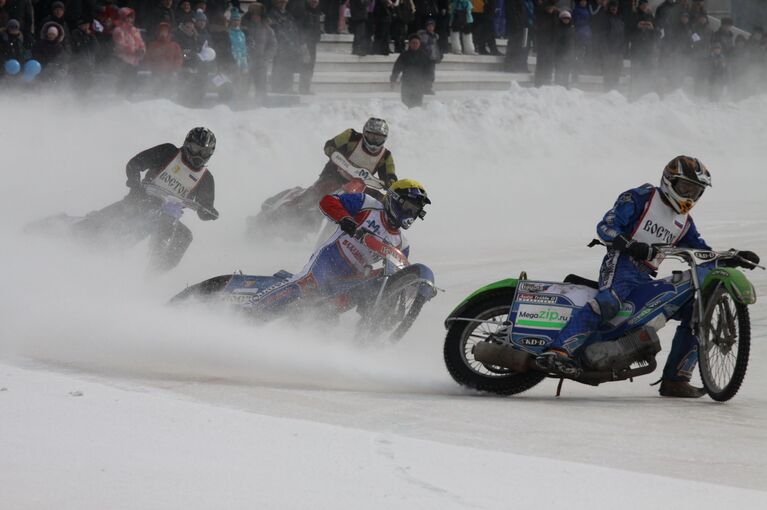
606,304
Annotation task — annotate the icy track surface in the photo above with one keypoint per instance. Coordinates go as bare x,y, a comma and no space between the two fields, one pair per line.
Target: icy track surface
108,399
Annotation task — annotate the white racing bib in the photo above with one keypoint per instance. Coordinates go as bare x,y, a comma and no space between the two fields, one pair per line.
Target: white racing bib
660,224
177,178
362,159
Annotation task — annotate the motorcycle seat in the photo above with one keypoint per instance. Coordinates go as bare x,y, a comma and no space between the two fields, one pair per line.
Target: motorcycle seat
580,280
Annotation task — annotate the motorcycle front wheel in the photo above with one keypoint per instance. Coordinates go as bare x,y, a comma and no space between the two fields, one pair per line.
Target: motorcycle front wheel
487,316
725,343
397,310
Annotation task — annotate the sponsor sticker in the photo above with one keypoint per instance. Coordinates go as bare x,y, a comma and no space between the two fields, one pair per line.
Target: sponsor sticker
542,299
533,342
542,317
533,286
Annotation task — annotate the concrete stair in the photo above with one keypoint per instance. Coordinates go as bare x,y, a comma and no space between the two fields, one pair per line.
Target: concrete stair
337,71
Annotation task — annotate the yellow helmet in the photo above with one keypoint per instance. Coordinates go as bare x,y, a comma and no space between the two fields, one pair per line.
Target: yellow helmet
405,202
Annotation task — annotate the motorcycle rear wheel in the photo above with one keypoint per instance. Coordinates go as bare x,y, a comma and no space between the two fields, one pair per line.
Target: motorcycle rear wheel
725,343
463,335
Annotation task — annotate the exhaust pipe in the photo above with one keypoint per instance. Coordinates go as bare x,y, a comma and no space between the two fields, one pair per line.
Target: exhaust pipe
502,356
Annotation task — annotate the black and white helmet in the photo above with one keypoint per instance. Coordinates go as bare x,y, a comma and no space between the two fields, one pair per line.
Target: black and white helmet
199,145
374,134
684,181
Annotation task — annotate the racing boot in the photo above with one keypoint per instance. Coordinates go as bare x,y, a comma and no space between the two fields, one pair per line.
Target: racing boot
680,389
559,362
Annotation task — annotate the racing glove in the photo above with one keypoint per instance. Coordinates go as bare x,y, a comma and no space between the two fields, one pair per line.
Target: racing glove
749,256
348,225
173,208
636,249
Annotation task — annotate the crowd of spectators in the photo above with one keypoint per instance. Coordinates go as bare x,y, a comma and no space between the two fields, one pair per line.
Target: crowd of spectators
190,47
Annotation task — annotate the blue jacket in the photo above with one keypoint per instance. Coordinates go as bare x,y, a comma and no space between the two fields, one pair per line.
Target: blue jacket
628,209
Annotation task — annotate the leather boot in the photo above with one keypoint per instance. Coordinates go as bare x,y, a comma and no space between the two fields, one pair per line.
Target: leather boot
680,389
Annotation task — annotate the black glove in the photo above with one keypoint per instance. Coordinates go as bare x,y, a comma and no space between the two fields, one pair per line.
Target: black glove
637,249
348,225
749,256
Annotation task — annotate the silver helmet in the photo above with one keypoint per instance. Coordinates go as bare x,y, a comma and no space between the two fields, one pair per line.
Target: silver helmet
374,134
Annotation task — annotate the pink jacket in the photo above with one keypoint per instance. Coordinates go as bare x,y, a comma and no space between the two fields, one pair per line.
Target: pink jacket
129,45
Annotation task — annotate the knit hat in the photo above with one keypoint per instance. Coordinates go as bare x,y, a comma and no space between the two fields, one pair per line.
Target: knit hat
57,5
565,14
200,16
13,25
234,15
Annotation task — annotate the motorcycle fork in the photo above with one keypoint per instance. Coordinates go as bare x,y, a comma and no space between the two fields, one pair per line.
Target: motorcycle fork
381,291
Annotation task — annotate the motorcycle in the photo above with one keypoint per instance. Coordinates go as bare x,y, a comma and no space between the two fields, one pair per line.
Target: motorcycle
496,337
155,213
294,212
388,299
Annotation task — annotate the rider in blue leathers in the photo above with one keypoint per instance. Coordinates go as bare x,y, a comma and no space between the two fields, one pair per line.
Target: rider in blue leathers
640,218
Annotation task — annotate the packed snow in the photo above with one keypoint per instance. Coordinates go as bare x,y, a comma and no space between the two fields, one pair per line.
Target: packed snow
111,399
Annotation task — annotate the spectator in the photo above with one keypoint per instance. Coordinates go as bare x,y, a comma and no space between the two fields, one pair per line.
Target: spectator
310,26
402,17
4,15
443,25
666,16
57,16
679,48
724,36
22,11
546,27
564,50
643,50
484,27
85,49
424,10
701,38
262,46
582,23
164,59
51,52
184,12
288,57
237,54
461,21
12,43
382,15
358,26
130,50
430,45
161,12
516,50
697,8
330,9
201,29
614,43
717,72
414,66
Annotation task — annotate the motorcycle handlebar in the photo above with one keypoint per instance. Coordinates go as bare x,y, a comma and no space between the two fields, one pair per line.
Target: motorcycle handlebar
163,194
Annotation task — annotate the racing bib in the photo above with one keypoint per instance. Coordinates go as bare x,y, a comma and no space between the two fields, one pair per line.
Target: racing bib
358,254
362,159
659,224
178,178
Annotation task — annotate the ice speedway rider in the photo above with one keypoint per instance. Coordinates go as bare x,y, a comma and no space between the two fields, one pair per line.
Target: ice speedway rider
177,173
343,257
641,218
364,150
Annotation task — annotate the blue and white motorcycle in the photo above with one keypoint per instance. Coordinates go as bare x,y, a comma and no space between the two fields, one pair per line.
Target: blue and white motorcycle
495,337
388,299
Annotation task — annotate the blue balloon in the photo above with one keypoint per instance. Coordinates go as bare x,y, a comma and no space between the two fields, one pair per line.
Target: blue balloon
32,68
12,67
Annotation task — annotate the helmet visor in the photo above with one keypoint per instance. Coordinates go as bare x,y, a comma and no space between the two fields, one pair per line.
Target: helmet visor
374,139
688,189
196,154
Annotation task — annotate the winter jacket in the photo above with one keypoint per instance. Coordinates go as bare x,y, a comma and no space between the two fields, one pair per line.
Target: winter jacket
84,48
50,53
429,45
582,21
129,46
310,26
13,48
23,12
286,33
262,44
461,5
238,48
415,68
359,9
614,35
163,55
